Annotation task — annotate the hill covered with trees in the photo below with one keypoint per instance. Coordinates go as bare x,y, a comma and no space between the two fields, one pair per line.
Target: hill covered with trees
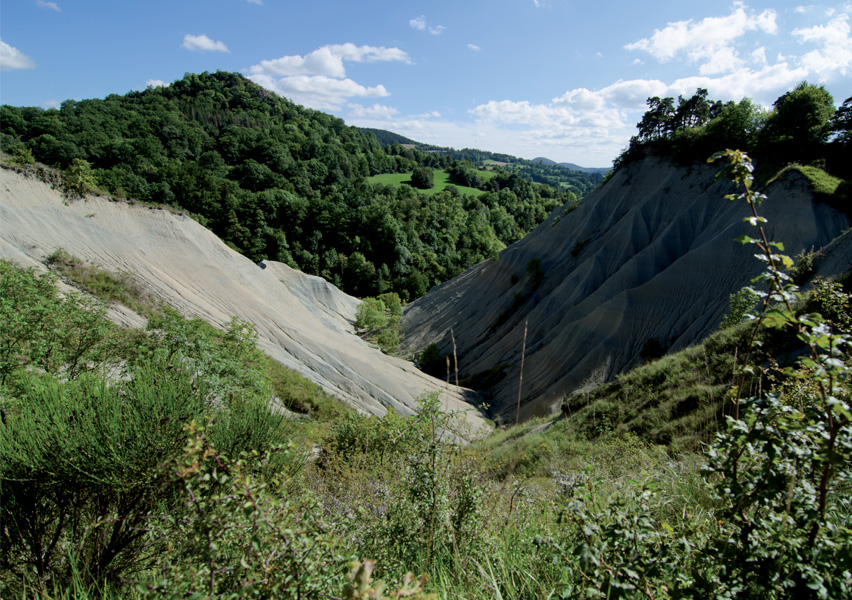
278,181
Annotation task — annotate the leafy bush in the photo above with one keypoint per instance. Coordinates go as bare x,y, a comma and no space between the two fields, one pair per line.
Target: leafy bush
61,335
80,467
379,318
535,272
371,314
740,304
237,533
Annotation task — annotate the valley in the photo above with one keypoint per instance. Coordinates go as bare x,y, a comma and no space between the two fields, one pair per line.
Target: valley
625,385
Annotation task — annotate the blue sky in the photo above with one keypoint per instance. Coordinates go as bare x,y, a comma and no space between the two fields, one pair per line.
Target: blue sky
555,78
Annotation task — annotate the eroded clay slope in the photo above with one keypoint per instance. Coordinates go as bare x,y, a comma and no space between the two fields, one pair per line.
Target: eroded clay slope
649,256
302,321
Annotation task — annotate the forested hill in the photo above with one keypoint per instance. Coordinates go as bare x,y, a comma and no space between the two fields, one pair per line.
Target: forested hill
278,181
389,138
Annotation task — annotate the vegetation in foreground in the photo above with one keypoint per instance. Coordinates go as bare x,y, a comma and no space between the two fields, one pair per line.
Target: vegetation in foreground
156,469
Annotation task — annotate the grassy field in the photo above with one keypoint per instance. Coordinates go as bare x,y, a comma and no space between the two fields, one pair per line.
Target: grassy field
442,180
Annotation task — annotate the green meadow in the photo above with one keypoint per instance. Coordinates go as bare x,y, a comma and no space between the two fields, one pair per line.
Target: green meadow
442,180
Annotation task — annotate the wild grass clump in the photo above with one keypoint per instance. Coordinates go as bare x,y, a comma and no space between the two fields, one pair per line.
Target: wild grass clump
103,284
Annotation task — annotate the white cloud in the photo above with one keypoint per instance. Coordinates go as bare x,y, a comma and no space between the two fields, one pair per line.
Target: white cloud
257,2
328,60
11,58
474,47
602,120
51,104
202,43
759,56
318,91
154,83
50,5
318,79
709,42
377,111
419,23
724,60
835,52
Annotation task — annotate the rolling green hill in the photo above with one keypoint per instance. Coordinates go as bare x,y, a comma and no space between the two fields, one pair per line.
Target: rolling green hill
578,180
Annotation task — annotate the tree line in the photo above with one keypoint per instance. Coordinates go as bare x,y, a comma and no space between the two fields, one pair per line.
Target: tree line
802,126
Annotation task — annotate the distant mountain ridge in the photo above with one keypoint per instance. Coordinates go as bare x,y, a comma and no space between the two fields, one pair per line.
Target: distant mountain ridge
572,166
565,176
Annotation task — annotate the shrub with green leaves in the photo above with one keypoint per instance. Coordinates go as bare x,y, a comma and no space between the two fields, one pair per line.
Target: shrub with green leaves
239,531
740,304
379,320
80,467
371,314
434,517
61,335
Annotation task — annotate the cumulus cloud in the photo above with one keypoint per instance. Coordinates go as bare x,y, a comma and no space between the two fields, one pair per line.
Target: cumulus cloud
11,58
202,43
474,47
328,60
709,42
418,23
759,56
377,111
50,5
835,52
51,104
318,79
319,91
154,83
603,119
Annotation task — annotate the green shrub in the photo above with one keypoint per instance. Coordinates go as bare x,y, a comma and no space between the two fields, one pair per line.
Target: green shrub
371,314
23,156
239,533
61,335
535,271
740,304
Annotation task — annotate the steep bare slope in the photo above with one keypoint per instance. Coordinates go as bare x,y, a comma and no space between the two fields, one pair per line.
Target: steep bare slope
302,321
650,256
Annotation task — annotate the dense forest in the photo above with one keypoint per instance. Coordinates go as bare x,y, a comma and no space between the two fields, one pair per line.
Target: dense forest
277,181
